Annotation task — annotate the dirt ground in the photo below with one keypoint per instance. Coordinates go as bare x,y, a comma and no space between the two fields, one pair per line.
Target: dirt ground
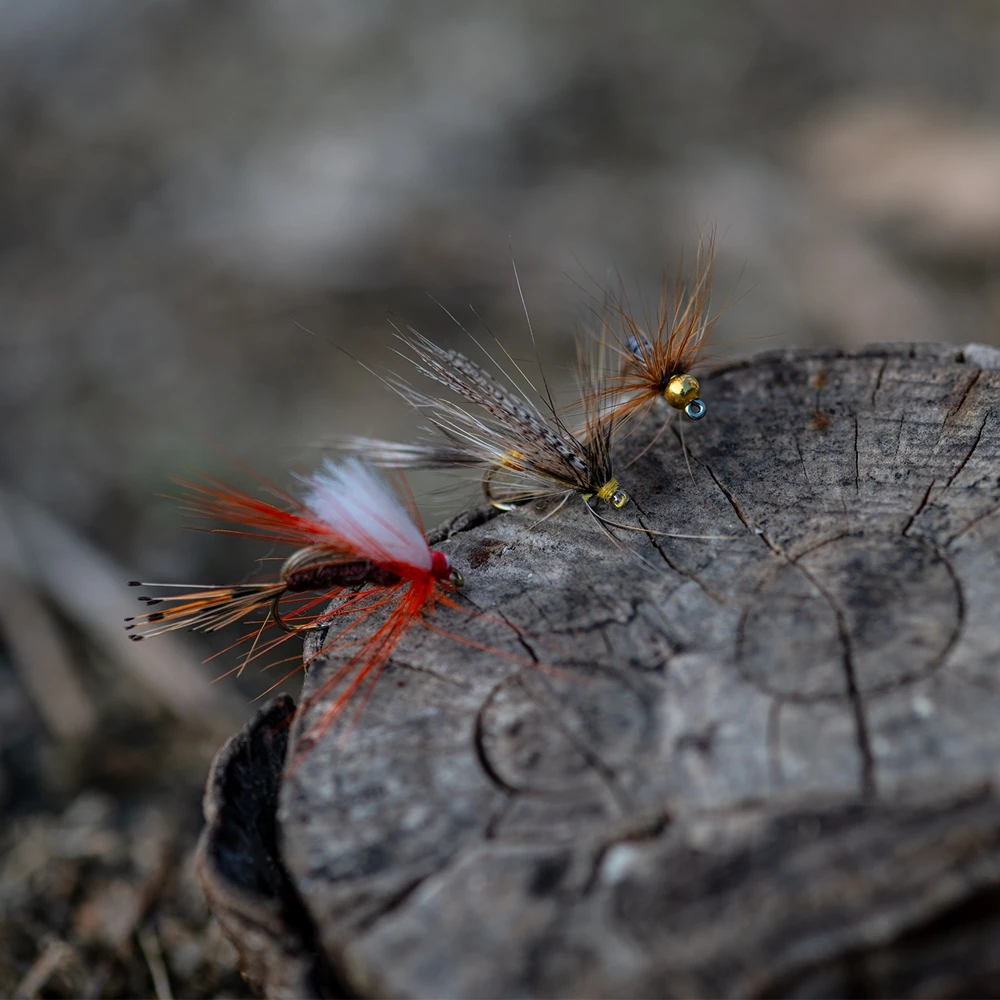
187,185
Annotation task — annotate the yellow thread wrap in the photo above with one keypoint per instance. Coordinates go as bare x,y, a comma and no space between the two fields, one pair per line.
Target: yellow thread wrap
608,490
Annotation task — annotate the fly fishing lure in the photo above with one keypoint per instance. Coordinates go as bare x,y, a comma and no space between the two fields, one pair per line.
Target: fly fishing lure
525,451
355,542
655,361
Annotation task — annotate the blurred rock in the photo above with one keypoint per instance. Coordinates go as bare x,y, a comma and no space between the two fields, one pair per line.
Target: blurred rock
808,277
926,176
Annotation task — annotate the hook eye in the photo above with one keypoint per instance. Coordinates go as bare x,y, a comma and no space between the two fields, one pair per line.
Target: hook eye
619,498
457,579
696,409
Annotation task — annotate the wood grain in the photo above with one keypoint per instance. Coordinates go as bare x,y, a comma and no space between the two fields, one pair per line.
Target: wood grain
757,764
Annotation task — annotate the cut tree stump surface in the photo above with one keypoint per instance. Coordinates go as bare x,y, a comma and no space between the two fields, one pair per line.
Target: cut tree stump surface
758,764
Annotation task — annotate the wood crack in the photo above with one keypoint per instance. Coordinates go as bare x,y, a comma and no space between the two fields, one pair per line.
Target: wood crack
482,754
604,771
919,510
857,457
518,633
969,454
854,696
973,380
600,625
679,570
878,382
401,664
971,524
463,522
802,461
758,532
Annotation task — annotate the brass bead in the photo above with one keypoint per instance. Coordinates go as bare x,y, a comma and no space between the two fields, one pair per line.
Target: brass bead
680,390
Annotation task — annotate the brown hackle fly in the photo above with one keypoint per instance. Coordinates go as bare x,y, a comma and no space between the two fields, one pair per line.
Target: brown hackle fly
655,359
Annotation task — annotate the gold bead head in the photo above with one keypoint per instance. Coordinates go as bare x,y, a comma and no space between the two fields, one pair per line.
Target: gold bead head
681,390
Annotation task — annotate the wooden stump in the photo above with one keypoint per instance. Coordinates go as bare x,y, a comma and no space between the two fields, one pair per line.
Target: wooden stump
761,764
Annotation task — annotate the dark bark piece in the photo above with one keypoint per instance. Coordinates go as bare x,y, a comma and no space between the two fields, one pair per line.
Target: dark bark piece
762,765
240,869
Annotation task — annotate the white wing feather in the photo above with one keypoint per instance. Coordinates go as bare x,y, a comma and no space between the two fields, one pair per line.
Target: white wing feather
360,507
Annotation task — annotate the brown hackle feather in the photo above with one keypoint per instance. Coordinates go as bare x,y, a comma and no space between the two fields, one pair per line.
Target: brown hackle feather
642,353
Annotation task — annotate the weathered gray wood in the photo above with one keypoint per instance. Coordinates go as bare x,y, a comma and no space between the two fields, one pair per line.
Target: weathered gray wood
762,766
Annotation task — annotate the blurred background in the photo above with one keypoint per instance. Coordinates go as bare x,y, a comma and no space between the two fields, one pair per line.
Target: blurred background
185,185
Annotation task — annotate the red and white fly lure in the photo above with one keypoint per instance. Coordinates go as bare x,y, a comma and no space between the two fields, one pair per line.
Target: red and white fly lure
356,543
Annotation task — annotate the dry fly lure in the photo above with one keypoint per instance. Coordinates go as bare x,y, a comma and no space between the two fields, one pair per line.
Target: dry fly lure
524,453
355,542
655,361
